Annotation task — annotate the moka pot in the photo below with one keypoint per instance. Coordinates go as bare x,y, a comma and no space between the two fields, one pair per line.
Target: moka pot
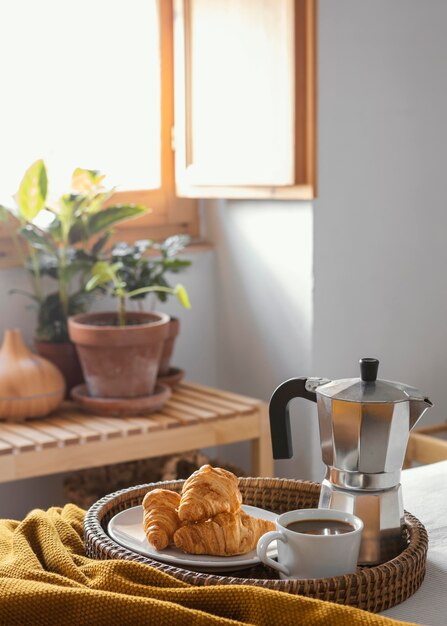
364,428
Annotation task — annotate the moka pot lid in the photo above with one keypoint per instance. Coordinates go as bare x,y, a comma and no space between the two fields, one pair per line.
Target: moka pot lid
367,388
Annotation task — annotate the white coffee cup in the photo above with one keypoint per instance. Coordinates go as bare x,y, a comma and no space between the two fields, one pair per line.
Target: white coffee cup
304,555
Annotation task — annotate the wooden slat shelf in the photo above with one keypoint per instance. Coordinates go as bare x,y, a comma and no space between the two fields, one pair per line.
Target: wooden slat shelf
195,417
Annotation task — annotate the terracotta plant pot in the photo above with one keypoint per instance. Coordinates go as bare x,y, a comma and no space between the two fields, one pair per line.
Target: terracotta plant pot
64,357
119,361
168,346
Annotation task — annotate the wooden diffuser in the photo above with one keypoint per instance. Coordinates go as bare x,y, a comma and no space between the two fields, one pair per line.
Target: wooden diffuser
30,386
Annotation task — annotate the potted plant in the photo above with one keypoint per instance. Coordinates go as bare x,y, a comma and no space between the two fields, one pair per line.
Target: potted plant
61,241
120,351
147,263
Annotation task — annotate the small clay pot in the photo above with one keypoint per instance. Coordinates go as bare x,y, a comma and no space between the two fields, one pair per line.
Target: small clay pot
168,346
30,386
65,357
119,361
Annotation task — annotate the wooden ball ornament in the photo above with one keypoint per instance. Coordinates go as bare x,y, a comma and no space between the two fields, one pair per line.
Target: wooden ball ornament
30,386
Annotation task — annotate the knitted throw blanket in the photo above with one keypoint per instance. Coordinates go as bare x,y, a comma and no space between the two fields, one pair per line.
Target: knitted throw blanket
46,579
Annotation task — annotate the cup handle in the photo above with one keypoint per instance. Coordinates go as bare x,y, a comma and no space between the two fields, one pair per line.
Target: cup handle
263,545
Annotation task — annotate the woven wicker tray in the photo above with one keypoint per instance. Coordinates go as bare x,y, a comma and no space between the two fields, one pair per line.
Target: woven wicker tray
372,588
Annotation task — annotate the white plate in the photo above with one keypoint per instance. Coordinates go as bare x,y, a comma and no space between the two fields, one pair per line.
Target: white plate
126,528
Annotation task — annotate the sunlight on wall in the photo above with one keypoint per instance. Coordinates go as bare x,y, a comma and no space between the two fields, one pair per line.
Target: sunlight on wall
265,253
277,249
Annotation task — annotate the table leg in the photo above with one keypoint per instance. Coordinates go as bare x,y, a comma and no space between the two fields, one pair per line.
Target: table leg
261,448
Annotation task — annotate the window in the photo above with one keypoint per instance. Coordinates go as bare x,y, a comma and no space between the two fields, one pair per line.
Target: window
83,90
92,87
245,80
100,87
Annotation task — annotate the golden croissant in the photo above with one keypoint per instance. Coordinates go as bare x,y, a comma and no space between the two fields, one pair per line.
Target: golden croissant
225,534
160,517
207,492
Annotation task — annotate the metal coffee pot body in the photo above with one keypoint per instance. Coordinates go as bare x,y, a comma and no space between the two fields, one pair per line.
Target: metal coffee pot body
364,428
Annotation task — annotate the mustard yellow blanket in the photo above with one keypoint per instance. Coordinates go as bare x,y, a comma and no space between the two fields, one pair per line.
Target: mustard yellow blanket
45,579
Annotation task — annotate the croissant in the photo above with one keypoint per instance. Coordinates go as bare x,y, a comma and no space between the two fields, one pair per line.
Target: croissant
207,492
160,517
225,534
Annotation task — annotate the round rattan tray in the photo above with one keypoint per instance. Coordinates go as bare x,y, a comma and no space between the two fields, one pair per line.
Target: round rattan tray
372,588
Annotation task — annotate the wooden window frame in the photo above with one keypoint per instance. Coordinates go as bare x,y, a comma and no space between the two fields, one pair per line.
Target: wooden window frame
305,183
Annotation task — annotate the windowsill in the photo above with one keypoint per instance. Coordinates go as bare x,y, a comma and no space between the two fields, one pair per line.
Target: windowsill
199,246
296,192
196,246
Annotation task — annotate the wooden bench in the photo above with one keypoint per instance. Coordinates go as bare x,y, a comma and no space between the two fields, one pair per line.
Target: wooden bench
195,417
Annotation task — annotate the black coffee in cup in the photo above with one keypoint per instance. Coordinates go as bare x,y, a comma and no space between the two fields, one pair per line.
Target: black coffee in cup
321,527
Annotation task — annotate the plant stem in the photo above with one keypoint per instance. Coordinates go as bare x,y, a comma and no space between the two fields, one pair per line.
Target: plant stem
18,248
63,287
37,278
122,310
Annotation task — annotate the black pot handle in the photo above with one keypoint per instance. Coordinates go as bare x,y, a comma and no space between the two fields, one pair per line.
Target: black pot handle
280,417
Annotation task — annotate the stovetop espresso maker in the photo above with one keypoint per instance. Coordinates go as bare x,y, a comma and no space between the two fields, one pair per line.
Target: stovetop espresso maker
364,427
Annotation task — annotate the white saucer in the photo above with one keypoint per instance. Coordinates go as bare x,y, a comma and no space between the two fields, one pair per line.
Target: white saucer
126,528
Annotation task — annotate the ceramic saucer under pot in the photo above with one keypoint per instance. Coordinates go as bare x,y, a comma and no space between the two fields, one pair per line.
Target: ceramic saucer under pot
115,407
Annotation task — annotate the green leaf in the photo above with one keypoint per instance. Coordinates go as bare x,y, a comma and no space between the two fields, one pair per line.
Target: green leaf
103,273
78,231
69,203
52,320
122,250
86,180
75,268
96,202
31,296
55,229
101,242
36,238
142,245
32,192
182,296
174,244
95,281
97,222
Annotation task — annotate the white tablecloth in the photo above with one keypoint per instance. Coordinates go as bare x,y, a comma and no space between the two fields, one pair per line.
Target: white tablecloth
425,496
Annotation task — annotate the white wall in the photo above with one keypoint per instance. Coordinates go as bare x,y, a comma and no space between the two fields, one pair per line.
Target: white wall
380,253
